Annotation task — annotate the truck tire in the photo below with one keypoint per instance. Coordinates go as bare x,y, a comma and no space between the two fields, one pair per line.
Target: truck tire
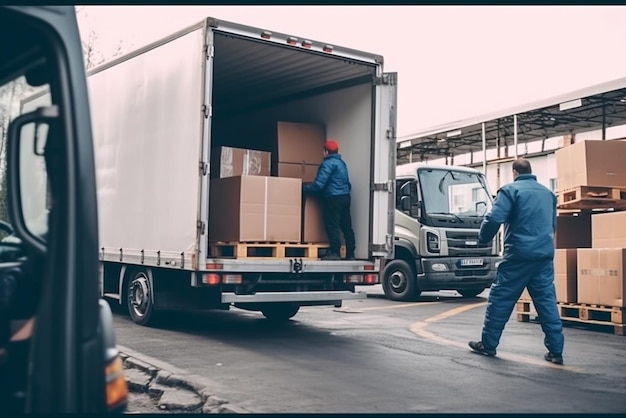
470,293
139,298
399,281
280,311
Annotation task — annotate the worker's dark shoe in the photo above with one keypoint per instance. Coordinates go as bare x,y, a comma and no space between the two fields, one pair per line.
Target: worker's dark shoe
553,358
480,348
331,256
350,257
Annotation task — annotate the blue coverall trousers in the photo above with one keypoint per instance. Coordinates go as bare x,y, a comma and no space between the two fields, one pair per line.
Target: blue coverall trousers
511,279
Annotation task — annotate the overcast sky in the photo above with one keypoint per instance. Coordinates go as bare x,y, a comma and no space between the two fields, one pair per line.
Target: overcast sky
453,62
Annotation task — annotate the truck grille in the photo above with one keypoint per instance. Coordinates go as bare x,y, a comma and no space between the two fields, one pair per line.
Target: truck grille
461,243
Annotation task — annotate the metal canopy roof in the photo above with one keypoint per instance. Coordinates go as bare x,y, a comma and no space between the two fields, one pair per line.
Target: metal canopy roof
602,105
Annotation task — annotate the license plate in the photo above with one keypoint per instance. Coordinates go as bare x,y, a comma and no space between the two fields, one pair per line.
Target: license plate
471,262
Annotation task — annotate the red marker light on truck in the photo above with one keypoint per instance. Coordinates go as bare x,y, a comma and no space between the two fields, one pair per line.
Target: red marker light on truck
328,48
292,41
211,279
371,279
266,34
307,44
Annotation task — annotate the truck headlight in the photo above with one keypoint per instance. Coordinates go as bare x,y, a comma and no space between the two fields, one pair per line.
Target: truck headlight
432,242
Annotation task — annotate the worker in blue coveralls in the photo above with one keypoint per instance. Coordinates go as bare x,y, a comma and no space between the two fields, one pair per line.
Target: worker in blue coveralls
528,211
332,183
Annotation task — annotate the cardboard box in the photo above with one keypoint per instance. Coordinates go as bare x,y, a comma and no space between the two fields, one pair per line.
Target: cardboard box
232,162
601,276
573,231
305,172
301,143
608,230
255,209
313,230
565,281
591,163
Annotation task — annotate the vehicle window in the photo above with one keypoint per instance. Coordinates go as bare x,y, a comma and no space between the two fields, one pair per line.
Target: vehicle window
33,177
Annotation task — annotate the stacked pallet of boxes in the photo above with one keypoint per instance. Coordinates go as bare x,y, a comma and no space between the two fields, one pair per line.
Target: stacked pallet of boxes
256,195
590,257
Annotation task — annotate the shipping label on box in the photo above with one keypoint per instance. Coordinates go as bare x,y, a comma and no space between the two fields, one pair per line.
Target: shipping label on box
601,276
591,163
608,230
255,209
232,162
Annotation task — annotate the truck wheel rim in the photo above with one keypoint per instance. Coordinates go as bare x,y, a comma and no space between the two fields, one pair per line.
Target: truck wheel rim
397,280
139,295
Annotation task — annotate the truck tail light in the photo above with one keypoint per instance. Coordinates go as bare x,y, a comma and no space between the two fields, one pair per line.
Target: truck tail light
116,385
353,278
211,279
232,279
371,278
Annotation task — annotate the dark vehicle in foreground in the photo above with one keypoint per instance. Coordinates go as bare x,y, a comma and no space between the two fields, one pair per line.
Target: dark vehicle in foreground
60,356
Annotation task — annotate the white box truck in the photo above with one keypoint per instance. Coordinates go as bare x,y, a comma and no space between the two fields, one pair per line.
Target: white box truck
157,114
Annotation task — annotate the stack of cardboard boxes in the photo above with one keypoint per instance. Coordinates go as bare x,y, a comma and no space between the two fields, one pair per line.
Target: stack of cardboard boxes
591,248
256,196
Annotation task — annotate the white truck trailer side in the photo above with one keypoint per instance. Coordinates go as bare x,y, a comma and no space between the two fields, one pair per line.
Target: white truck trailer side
157,114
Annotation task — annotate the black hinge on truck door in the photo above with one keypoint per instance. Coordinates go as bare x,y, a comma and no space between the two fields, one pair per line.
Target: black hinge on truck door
207,111
381,187
204,168
201,227
385,80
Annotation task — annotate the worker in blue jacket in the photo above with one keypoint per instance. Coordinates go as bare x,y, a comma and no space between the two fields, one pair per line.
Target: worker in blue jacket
528,211
332,184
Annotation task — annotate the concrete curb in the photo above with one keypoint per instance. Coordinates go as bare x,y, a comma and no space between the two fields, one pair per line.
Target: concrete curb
176,390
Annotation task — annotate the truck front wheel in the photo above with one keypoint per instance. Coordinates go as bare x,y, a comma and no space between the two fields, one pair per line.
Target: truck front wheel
399,281
139,298
280,311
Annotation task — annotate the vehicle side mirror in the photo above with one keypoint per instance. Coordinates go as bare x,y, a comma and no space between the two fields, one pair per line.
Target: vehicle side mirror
405,203
405,190
26,175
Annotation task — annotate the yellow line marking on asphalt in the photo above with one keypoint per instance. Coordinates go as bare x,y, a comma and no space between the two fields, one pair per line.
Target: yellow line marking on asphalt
419,328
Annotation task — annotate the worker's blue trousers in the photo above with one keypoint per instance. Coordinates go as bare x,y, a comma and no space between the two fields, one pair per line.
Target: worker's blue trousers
511,279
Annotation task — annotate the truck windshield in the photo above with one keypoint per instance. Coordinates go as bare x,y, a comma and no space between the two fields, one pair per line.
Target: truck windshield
454,192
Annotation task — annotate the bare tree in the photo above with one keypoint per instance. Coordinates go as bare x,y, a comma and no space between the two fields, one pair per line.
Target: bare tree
92,52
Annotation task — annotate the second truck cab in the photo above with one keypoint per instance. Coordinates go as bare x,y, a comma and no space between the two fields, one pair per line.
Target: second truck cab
439,210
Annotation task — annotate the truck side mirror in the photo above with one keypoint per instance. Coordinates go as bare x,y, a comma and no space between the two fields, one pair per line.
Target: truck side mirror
405,203
26,175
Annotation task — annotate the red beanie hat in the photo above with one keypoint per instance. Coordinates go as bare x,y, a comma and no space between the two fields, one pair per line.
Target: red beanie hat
331,146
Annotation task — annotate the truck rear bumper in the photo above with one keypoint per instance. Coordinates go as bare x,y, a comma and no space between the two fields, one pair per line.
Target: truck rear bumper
304,298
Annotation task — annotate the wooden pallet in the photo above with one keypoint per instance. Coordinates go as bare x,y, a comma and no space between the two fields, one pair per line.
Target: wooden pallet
596,315
592,197
267,250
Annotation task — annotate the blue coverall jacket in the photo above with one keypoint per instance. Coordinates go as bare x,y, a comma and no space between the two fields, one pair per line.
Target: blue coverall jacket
332,178
528,211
